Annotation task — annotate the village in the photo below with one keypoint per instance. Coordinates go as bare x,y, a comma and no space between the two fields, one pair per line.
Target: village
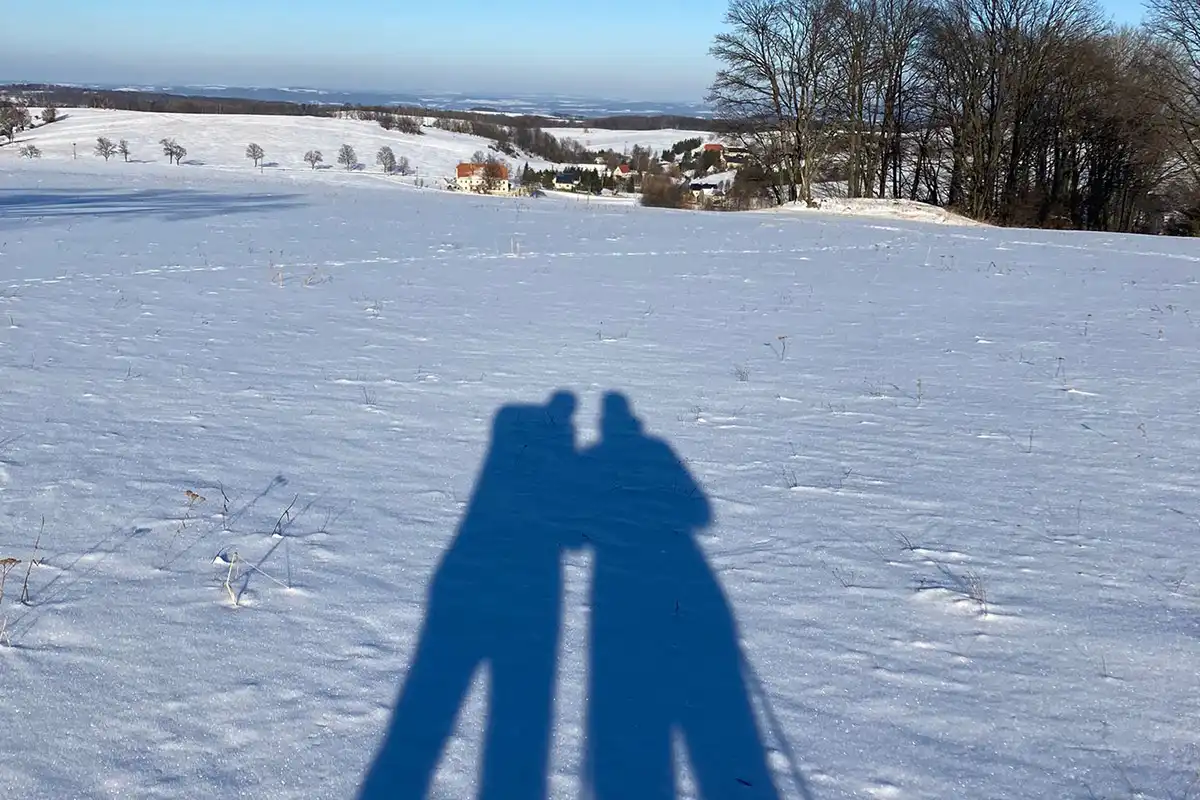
704,172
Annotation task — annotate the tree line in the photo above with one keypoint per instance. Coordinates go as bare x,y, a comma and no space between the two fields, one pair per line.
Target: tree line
1019,112
157,102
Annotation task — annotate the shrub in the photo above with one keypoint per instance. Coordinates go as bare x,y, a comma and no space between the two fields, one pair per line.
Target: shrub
408,125
661,191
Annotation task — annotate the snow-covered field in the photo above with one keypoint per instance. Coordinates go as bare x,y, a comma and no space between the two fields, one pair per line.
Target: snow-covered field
950,476
219,142
624,141
878,208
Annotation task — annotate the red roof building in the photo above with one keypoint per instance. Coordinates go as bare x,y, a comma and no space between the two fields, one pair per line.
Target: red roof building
497,171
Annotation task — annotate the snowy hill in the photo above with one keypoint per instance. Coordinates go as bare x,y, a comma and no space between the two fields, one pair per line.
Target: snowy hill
902,511
624,141
219,141
879,208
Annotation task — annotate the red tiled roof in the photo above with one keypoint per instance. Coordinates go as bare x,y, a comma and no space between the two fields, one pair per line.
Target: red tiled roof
469,170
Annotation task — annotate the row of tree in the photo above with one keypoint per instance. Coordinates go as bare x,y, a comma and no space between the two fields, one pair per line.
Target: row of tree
105,148
158,102
1031,112
348,158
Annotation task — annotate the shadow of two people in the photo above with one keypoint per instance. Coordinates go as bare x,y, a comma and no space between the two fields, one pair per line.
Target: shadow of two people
663,645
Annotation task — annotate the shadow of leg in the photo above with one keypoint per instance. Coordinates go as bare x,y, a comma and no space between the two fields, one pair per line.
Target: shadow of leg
424,717
520,714
629,716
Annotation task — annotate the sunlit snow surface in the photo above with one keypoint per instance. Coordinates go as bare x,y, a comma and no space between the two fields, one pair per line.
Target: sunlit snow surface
952,473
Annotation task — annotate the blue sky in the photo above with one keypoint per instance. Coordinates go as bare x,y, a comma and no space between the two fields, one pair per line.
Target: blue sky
631,49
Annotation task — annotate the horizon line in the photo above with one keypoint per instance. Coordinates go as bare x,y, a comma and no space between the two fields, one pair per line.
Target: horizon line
163,86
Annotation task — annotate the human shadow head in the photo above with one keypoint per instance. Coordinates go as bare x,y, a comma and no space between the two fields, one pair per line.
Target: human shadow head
561,405
617,417
530,433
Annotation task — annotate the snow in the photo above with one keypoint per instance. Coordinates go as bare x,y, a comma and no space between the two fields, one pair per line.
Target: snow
624,141
219,142
726,177
949,474
885,208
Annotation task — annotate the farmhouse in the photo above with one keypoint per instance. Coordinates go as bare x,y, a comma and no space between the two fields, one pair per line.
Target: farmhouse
488,178
566,181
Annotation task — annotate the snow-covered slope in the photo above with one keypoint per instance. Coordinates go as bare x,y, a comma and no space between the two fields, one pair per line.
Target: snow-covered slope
623,141
951,474
879,208
219,142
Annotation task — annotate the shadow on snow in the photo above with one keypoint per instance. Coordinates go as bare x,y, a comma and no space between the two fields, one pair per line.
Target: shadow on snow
663,645
169,204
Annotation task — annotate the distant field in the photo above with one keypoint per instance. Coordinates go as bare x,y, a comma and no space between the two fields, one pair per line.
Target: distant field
623,141
219,141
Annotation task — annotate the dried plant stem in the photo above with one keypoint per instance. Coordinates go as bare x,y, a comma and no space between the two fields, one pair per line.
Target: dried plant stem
28,569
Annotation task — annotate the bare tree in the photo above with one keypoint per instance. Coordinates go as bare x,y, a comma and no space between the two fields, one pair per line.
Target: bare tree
13,119
903,24
1111,163
347,157
254,153
30,151
402,166
776,79
173,150
410,125
123,149
386,159
493,172
991,62
859,69
105,148
313,157
495,175
49,114
1175,24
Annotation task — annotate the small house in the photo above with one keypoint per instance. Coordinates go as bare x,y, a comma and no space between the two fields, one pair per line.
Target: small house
566,181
